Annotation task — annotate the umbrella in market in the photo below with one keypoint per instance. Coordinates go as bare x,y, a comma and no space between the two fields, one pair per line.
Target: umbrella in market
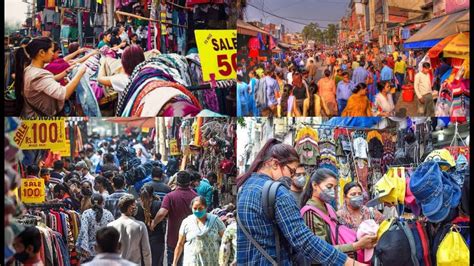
455,46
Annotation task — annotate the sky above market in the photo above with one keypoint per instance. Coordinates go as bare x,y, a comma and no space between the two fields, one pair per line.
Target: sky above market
323,12
15,10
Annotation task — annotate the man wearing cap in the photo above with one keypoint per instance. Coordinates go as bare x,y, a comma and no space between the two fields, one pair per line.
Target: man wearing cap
133,233
176,205
84,169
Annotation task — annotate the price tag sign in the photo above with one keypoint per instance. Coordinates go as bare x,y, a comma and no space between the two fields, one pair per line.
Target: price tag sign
218,53
39,134
66,151
32,190
174,151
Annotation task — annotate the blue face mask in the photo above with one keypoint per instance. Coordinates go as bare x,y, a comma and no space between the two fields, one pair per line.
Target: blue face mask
199,214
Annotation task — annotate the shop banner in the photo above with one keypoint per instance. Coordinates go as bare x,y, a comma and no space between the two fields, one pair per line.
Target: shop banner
66,151
218,53
32,190
174,151
47,134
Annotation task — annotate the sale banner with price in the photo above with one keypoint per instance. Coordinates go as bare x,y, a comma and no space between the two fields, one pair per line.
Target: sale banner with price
218,53
38,134
32,190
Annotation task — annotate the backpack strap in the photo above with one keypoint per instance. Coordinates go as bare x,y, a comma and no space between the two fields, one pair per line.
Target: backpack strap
268,202
255,243
403,225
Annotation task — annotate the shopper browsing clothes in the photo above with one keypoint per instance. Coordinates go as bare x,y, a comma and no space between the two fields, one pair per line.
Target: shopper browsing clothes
38,92
276,162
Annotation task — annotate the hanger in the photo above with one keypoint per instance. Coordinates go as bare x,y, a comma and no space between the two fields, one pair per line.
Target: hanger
456,135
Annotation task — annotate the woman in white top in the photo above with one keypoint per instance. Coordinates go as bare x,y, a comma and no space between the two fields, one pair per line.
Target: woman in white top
383,100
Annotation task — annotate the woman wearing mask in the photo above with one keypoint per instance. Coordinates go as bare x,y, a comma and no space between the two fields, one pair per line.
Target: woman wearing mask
86,192
62,193
103,186
91,221
200,235
37,91
277,162
149,206
358,103
320,194
354,212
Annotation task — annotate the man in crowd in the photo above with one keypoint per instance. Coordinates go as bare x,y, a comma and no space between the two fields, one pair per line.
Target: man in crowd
111,202
84,169
386,74
176,205
32,171
343,92
133,233
160,188
27,247
360,74
205,189
423,90
108,248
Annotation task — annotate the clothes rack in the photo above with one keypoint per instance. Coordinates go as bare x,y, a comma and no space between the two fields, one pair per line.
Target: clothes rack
148,19
45,205
176,5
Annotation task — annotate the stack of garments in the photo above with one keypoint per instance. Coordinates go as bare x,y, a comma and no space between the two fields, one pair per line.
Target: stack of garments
460,96
85,94
388,151
157,87
53,250
327,150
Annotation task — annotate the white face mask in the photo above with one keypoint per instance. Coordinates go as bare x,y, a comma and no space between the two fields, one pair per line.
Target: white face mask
300,181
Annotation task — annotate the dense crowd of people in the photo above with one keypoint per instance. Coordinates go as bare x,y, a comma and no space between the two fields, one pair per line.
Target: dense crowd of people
177,214
354,82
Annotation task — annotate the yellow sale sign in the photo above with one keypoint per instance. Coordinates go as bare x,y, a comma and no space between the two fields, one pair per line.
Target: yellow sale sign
218,53
174,151
32,190
49,134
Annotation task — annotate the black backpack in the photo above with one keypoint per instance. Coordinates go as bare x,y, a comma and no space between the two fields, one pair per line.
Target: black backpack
268,203
396,246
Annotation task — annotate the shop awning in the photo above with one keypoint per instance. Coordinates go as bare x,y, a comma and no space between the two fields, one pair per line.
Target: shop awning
458,47
146,122
436,30
284,45
438,48
355,122
248,29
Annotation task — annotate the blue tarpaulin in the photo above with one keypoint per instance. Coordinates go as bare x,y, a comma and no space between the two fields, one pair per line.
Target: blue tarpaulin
356,122
421,44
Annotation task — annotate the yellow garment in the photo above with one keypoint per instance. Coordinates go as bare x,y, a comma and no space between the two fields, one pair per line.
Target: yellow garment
400,67
342,182
395,55
259,72
374,134
384,226
307,132
99,2
357,105
453,250
391,187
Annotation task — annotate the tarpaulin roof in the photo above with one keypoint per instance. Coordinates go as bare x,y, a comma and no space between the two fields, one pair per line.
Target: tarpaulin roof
248,29
458,47
436,30
355,122
438,48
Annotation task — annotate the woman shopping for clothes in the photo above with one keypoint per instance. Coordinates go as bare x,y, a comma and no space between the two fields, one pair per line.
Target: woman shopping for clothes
353,212
200,235
258,234
317,200
38,93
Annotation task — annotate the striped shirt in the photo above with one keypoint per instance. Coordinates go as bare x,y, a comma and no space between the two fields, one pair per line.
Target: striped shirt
292,228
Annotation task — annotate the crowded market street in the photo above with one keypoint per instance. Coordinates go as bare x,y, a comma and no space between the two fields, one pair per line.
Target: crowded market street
361,58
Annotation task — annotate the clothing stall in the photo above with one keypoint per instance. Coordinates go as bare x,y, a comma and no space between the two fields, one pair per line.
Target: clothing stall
393,165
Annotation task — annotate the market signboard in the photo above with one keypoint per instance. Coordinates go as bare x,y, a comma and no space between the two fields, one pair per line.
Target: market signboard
218,53
41,134
32,190
174,151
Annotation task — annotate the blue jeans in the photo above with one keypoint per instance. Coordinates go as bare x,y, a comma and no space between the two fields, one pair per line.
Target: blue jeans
341,105
400,78
170,255
86,97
